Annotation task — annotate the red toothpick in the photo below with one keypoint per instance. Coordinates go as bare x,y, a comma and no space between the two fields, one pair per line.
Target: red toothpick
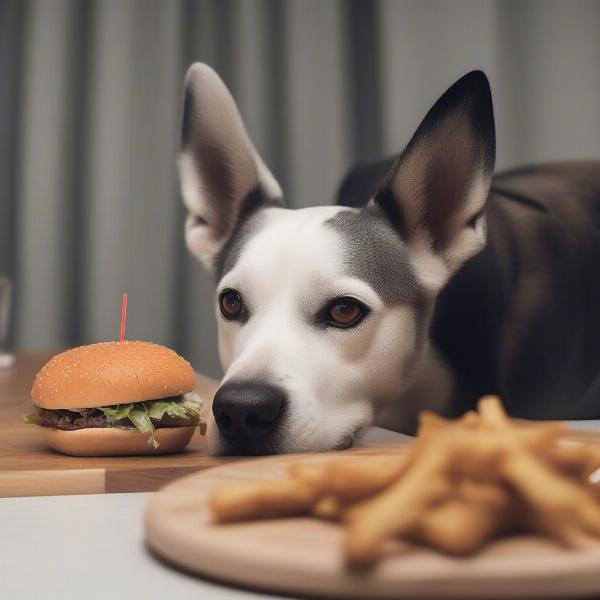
123,316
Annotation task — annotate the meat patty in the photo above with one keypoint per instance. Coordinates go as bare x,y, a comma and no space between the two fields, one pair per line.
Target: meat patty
69,420
92,417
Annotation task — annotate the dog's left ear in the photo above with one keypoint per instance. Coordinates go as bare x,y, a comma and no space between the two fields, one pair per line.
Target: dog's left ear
436,193
223,179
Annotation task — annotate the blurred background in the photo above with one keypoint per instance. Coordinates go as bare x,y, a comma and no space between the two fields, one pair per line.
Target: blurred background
90,94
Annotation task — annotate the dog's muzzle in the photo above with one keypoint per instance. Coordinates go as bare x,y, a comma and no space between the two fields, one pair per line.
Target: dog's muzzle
248,411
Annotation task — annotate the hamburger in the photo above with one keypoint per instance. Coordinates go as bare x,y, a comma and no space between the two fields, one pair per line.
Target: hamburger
116,398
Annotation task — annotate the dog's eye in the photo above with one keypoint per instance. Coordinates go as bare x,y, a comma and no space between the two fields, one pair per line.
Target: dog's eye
230,303
345,312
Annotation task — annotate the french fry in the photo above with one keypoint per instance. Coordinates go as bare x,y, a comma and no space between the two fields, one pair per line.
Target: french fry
461,527
362,478
482,492
492,413
237,503
431,422
475,513
555,497
395,510
329,507
566,532
572,459
312,476
470,419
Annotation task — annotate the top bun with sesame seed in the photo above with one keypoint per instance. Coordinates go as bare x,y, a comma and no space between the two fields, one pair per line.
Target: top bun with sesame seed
111,373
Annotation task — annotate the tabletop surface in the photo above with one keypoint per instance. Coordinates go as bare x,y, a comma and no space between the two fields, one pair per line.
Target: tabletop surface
91,547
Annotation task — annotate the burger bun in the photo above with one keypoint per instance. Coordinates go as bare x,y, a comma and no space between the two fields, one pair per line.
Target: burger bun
111,373
111,441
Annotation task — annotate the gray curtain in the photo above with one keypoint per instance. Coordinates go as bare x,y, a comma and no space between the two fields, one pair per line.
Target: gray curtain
89,107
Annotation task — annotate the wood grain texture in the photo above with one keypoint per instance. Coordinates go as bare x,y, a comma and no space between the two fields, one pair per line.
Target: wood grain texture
55,482
302,556
29,468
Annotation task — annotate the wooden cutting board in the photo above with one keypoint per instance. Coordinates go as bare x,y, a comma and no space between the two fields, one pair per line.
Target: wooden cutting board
301,556
29,468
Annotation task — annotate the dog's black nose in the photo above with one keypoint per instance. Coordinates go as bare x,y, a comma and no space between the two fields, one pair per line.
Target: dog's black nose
247,410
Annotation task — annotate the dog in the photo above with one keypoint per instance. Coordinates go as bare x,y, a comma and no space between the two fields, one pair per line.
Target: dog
431,283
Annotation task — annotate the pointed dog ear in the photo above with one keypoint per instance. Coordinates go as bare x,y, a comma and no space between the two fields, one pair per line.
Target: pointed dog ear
223,179
435,194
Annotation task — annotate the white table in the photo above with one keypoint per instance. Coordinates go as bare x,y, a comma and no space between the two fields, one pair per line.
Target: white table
88,547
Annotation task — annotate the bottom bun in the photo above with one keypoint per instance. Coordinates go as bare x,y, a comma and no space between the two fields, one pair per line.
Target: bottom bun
111,441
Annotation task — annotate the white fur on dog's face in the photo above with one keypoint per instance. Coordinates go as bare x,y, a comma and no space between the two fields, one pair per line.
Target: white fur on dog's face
286,272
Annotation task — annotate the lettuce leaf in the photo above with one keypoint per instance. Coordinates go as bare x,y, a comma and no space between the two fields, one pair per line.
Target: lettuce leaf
32,418
116,413
141,414
158,408
192,406
138,415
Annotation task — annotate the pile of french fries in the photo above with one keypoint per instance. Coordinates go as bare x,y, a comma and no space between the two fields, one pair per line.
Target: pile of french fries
465,482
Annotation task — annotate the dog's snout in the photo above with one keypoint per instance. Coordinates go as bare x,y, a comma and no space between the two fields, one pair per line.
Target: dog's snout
247,410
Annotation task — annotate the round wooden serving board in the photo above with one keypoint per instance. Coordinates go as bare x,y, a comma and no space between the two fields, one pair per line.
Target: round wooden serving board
302,556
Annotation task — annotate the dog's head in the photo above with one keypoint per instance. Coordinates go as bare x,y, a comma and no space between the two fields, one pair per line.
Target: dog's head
323,312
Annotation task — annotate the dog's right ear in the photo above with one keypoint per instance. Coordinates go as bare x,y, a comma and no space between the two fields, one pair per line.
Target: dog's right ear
436,193
223,179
